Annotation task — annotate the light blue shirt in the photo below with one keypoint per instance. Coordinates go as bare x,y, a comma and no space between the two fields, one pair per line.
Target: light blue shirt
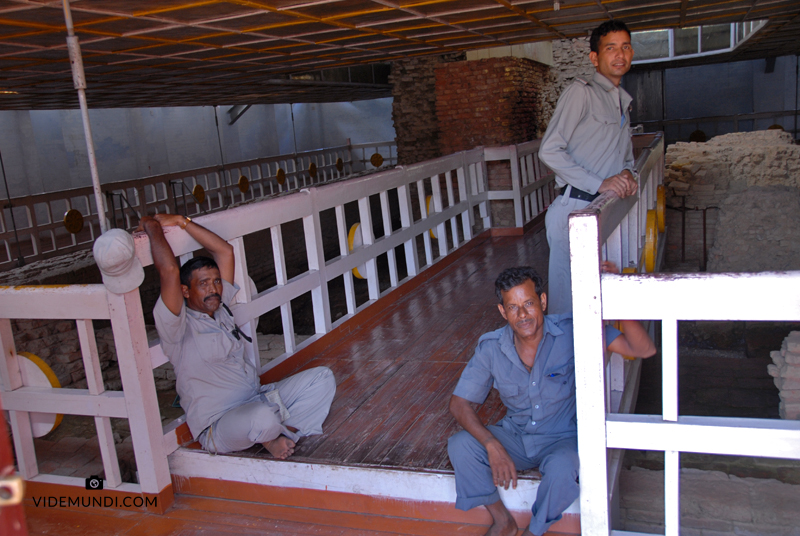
540,404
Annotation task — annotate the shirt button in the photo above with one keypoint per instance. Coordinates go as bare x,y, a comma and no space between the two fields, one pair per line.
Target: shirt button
536,406
534,383
533,422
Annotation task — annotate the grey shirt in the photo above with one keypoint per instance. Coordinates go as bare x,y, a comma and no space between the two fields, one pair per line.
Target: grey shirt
588,138
540,404
212,370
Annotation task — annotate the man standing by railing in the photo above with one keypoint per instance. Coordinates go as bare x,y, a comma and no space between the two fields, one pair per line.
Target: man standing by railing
588,146
227,408
531,362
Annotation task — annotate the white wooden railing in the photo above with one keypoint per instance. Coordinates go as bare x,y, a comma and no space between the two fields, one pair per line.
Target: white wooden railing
605,425
39,218
460,197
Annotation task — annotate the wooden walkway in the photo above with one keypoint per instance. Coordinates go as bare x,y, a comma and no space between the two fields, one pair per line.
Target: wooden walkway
396,370
395,367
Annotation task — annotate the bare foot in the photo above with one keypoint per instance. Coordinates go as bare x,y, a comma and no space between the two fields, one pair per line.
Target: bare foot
281,447
504,524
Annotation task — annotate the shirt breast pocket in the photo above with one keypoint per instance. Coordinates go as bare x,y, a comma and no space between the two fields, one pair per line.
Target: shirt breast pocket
606,122
559,383
514,397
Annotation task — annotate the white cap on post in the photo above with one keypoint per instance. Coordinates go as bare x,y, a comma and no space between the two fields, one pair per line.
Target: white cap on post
115,255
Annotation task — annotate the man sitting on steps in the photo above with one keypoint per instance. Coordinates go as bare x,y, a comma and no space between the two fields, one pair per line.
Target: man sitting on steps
227,408
531,362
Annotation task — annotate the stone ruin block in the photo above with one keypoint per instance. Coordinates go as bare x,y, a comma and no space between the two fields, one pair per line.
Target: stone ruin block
786,371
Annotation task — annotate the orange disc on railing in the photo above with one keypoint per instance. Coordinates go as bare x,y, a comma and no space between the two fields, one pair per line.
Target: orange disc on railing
660,208
339,164
280,176
376,160
629,270
199,193
312,170
244,184
650,242
73,221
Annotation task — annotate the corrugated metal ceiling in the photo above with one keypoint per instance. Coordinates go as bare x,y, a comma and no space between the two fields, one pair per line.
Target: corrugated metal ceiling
203,52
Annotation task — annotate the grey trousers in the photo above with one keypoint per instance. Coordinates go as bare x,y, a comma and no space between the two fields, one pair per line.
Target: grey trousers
559,277
558,464
307,396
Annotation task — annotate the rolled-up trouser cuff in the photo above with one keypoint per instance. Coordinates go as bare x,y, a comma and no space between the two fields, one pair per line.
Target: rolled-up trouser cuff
538,528
468,503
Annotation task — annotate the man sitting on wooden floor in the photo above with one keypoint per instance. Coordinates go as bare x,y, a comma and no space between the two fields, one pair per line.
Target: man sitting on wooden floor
531,362
227,408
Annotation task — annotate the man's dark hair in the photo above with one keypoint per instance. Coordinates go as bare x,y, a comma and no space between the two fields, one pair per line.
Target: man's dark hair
195,263
511,277
606,28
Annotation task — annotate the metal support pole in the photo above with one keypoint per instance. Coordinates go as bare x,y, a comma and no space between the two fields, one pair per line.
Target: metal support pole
79,81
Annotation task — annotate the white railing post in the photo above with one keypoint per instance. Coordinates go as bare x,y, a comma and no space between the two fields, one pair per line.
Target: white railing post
245,295
368,238
407,220
584,236
315,252
20,421
136,372
281,279
94,383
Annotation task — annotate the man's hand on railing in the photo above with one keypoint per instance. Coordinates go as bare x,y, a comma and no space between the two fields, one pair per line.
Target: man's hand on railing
623,184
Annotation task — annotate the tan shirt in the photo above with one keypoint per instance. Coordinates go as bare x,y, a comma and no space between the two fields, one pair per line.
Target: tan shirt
213,372
589,137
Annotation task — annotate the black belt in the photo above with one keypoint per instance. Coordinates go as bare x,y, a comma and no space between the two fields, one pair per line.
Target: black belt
580,194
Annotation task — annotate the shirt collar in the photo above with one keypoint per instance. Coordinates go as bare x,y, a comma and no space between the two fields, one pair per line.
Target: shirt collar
507,337
609,86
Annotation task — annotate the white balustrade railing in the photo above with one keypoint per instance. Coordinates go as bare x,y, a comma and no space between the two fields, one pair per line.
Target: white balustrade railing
606,391
440,204
40,231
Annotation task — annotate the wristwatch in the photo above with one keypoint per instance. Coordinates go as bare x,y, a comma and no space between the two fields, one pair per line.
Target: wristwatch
186,221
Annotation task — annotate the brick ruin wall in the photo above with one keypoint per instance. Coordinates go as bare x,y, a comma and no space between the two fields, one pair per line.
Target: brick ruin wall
749,184
488,102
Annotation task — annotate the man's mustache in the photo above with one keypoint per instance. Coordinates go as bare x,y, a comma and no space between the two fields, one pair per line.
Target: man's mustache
215,295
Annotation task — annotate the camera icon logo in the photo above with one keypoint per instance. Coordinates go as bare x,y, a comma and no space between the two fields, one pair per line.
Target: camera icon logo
94,483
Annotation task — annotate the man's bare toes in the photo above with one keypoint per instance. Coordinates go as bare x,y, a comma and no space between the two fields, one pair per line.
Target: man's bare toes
281,447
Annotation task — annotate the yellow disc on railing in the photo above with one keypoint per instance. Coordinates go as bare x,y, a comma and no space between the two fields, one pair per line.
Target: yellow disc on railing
661,207
199,193
280,176
339,164
629,270
312,170
244,184
376,160
428,200
650,242
37,373
73,221
354,240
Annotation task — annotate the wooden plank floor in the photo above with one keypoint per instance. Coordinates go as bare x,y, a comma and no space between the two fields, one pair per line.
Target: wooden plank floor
396,371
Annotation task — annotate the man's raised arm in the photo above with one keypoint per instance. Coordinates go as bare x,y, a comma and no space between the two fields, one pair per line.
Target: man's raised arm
166,264
220,250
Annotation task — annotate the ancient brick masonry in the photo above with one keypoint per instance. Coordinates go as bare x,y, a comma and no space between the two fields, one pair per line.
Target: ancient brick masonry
753,178
489,102
786,372
414,109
